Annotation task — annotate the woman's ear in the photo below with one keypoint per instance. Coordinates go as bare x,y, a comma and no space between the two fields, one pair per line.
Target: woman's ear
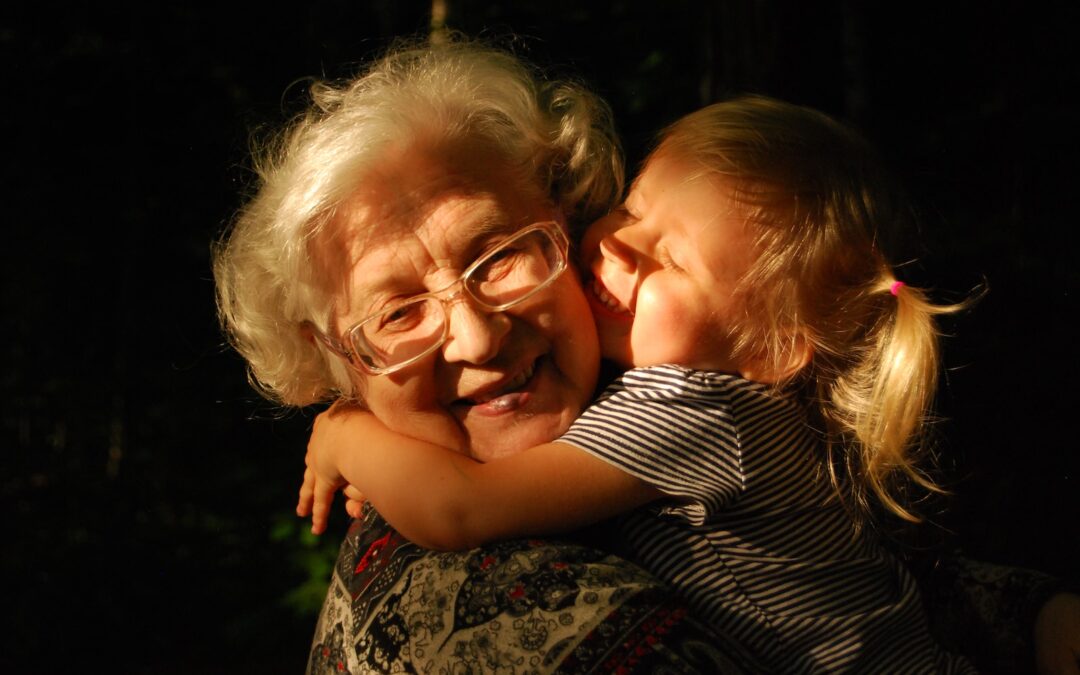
781,367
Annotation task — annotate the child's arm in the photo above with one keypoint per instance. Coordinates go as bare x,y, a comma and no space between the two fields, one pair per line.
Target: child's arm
444,500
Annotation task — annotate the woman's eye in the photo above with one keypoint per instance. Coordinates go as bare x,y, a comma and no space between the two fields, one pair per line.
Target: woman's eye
402,317
501,255
499,264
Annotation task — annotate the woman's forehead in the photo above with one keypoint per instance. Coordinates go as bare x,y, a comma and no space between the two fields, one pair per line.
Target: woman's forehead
399,231
430,191
443,234
447,221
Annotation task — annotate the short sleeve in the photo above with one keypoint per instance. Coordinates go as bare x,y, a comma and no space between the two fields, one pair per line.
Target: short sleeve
673,431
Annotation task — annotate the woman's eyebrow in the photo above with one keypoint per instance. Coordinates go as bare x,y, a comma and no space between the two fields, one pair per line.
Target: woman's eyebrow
379,281
489,224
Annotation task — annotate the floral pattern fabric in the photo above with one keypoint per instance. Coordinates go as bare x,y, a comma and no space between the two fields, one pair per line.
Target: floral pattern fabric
528,606
522,606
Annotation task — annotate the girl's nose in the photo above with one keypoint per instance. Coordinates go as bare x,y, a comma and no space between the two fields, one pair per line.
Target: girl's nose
475,336
615,250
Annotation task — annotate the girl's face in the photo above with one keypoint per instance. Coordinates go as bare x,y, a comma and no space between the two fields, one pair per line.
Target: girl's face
665,266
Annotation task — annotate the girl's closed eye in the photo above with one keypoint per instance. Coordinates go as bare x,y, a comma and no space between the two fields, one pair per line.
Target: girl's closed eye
628,210
667,260
623,212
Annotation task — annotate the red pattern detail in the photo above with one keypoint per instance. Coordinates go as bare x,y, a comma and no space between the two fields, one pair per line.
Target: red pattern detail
634,648
372,553
517,591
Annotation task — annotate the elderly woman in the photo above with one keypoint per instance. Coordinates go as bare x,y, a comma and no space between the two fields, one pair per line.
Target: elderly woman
418,179
415,181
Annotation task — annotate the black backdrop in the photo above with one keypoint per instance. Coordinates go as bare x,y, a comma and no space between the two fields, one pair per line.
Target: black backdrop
148,491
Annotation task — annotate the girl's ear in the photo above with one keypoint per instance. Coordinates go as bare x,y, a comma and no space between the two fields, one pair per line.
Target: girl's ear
780,367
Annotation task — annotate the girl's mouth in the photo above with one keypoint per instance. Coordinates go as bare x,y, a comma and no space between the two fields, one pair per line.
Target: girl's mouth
606,300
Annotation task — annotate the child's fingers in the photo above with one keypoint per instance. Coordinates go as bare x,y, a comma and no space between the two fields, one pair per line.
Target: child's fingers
315,500
354,501
353,494
307,494
354,508
320,511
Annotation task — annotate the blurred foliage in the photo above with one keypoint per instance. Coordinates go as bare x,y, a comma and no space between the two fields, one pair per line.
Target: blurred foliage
150,491
313,554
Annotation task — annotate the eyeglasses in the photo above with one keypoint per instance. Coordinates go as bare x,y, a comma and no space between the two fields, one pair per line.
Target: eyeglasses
404,333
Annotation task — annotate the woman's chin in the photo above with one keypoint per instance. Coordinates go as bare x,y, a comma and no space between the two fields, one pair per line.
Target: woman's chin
538,414
522,435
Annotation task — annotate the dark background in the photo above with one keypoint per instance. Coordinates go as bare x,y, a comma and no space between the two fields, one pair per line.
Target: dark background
147,491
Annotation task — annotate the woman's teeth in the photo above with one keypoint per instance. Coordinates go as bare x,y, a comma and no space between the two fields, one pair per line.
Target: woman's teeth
607,300
513,384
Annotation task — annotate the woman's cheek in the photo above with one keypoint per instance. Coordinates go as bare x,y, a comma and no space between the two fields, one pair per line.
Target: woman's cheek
577,331
408,401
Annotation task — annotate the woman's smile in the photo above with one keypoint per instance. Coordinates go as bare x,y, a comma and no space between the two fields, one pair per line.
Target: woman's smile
504,395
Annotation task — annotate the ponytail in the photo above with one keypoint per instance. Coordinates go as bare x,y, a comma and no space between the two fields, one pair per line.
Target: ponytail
877,403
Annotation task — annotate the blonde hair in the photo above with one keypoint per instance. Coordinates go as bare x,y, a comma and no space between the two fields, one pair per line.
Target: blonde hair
818,201
557,134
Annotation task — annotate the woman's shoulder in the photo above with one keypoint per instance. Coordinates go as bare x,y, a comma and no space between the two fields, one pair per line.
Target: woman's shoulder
395,606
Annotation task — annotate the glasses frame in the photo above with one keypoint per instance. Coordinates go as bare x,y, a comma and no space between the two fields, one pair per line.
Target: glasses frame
549,227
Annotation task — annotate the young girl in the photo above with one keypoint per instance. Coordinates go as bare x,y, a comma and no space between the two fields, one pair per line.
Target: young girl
781,376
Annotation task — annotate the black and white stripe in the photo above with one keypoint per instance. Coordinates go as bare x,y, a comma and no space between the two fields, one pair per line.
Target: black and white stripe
751,536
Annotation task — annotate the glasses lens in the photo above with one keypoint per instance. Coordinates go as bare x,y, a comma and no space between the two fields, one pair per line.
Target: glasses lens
512,272
399,334
505,276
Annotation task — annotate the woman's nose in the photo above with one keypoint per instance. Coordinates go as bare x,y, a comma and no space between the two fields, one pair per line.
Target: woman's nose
475,336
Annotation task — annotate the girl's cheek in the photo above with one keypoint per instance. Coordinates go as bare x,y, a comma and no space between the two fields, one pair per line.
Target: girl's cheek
657,302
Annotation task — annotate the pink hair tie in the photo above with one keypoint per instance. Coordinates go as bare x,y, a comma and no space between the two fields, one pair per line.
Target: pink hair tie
896,286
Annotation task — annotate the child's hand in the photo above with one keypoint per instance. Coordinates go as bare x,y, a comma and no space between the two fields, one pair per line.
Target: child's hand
316,498
316,502
322,477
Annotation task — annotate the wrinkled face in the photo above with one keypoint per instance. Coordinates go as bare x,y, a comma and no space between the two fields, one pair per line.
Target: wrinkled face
665,267
501,382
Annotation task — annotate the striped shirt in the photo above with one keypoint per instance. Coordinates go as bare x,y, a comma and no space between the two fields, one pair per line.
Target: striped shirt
752,536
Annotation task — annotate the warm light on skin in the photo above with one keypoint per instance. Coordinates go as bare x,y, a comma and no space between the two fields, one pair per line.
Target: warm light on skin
670,260
413,227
